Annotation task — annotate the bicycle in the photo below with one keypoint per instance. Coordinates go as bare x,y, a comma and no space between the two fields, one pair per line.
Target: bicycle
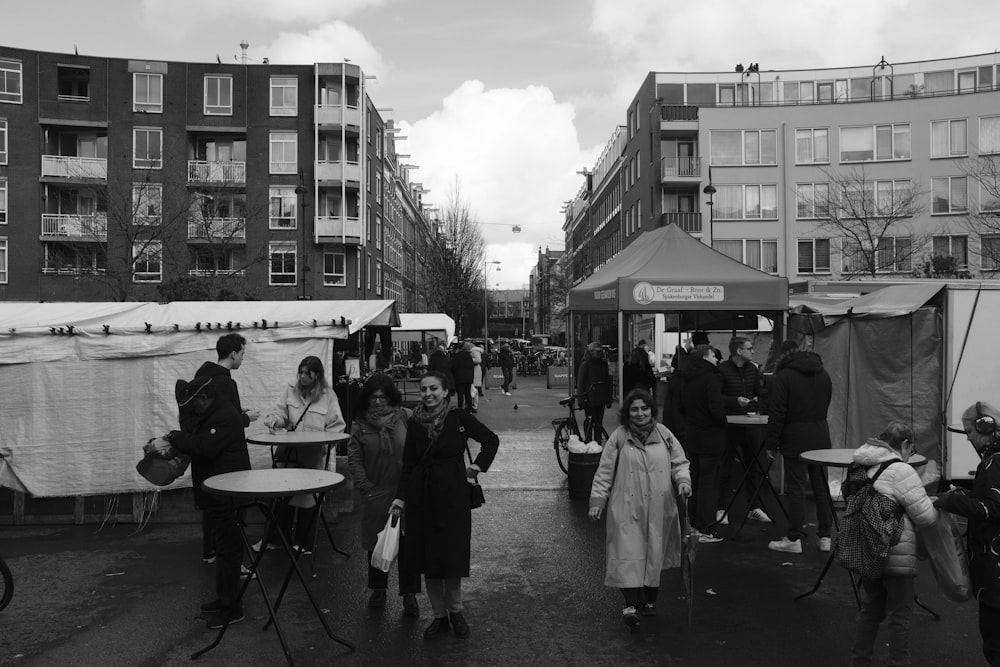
6,584
567,426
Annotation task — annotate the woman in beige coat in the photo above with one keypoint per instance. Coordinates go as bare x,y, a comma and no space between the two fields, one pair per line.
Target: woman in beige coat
641,465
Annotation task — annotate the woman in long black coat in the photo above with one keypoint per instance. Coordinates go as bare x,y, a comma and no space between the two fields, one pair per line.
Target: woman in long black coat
433,497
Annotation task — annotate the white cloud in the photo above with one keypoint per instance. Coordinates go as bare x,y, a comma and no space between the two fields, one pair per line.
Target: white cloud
285,11
514,153
332,42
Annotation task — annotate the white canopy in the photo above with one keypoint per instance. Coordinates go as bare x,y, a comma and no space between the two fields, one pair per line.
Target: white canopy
420,326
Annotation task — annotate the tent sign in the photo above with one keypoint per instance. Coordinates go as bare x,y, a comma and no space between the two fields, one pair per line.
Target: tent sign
644,293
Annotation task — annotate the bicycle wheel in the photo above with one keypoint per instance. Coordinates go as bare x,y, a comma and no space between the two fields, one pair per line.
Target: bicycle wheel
6,585
561,445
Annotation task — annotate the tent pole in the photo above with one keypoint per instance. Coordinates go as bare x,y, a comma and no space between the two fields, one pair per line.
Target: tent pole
618,364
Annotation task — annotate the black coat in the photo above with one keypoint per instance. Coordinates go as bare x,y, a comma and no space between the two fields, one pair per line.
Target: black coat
737,381
798,401
701,407
438,520
216,444
440,361
223,378
463,368
639,374
594,380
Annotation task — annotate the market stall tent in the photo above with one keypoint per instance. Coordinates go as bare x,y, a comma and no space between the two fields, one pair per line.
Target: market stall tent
85,385
423,327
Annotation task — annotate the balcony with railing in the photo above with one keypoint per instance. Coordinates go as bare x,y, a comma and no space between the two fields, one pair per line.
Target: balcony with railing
689,221
334,228
674,169
73,226
218,230
337,115
678,112
203,171
61,166
336,170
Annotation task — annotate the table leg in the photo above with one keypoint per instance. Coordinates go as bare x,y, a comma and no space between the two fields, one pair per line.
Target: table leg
765,478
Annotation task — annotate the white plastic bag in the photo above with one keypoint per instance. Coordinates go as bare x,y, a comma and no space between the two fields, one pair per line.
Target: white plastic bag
593,447
387,546
942,544
575,445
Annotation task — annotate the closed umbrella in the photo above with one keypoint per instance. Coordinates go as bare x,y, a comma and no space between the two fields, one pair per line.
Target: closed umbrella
689,549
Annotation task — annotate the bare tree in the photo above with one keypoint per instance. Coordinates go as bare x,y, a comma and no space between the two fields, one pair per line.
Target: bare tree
870,215
455,277
983,217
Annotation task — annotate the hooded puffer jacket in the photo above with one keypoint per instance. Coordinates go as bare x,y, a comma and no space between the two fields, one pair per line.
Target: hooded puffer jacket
900,482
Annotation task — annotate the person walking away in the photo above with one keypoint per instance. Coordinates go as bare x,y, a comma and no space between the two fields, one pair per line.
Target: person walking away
440,360
308,404
213,437
375,459
704,434
742,386
640,468
593,382
637,371
463,369
230,350
478,373
507,364
797,407
892,594
981,506
433,499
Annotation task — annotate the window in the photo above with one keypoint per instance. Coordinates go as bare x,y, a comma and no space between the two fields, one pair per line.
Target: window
812,200
357,266
953,246
948,138
990,251
939,82
949,195
148,266
370,173
3,201
967,82
989,135
879,198
284,208
877,142
378,277
812,145
894,254
147,202
751,202
378,188
739,147
989,193
284,152
147,92
74,258
3,261
3,141
814,256
218,95
282,264
368,274
334,269
74,83
10,81
209,261
759,254
147,148
378,231
284,96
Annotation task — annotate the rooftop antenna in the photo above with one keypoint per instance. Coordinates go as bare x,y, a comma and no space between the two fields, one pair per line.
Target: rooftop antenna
244,45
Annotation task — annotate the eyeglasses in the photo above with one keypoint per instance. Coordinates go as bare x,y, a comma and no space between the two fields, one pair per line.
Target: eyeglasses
378,397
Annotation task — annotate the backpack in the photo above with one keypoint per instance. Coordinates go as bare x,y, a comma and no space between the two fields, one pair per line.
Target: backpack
872,524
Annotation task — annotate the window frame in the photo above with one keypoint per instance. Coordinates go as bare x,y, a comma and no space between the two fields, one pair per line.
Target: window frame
744,253
282,139
812,145
745,189
812,201
284,194
875,142
218,109
950,151
3,141
815,270
773,134
993,150
331,277
148,249
950,238
139,162
147,106
284,110
141,198
284,248
952,210
4,200
993,256
11,79
4,256
378,277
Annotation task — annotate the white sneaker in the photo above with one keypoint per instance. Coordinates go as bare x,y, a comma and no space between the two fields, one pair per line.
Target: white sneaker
506,393
759,515
721,518
708,538
824,544
270,547
786,545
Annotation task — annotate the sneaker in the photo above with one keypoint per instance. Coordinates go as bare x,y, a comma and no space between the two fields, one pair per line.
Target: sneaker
708,538
268,547
245,572
759,515
304,551
631,617
218,619
648,609
438,626
410,606
459,625
212,607
377,598
824,544
208,557
506,393
786,545
721,518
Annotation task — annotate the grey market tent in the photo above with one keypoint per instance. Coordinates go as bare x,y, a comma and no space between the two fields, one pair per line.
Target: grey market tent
667,269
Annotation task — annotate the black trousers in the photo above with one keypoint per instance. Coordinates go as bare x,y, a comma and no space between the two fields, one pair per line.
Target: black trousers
989,630
409,582
224,519
464,391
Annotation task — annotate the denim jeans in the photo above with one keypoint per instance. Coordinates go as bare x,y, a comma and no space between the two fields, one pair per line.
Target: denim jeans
508,378
796,472
888,596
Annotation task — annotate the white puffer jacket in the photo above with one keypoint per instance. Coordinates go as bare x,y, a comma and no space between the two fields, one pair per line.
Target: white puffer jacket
900,482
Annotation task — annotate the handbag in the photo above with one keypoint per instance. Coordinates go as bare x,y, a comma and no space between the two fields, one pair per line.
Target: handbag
162,467
387,547
476,496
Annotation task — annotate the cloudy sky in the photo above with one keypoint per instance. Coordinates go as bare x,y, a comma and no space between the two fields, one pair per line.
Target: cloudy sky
510,99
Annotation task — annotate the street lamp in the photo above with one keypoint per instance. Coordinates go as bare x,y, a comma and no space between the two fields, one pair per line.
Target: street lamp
300,194
486,302
710,191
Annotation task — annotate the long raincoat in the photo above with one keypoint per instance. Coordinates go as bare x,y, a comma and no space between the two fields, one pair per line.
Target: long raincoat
643,528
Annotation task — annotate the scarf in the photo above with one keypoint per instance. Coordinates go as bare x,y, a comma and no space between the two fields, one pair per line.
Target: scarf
433,418
384,420
640,433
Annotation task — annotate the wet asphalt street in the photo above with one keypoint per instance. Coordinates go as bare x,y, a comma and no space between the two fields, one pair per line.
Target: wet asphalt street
112,596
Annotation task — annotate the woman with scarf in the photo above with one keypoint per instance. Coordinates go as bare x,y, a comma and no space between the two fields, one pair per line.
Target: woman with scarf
433,499
375,458
641,465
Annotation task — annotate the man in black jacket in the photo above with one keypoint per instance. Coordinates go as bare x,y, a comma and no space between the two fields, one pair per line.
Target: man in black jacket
798,403
593,380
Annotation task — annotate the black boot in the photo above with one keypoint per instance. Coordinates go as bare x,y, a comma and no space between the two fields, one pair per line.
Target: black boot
458,625
438,626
